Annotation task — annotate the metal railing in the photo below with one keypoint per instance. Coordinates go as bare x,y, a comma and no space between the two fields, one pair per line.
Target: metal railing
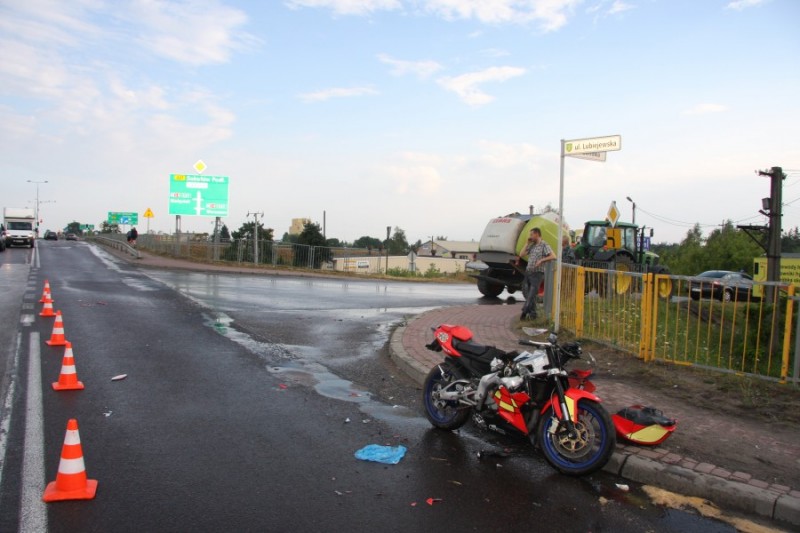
118,244
656,316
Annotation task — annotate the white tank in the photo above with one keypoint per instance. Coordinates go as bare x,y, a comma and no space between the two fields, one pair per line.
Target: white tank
501,235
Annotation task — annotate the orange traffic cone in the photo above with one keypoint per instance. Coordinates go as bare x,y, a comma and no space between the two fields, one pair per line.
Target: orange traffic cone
71,482
68,379
47,309
46,297
57,337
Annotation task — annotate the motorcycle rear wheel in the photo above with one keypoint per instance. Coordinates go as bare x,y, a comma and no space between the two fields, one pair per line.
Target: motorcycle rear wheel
443,414
587,453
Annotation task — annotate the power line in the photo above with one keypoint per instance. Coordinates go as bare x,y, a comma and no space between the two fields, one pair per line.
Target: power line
680,223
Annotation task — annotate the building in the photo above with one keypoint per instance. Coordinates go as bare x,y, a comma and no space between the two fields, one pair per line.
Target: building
452,249
297,225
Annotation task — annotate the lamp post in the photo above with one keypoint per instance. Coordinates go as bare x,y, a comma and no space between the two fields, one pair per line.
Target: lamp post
633,221
37,203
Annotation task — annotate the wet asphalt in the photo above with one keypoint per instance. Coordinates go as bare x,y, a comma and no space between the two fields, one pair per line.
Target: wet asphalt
244,402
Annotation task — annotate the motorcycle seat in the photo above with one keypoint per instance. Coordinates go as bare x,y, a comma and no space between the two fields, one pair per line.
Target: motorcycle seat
477,351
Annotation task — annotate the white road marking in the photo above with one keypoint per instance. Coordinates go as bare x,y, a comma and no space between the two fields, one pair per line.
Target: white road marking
33,511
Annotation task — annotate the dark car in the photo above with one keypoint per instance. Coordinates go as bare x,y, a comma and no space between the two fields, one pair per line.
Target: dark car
72,237
50,235
722,285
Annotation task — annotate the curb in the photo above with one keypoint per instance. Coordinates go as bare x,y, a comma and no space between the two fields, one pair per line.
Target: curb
731,495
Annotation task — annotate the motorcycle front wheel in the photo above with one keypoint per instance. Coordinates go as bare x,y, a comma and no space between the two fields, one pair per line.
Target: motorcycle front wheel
582,453
443,414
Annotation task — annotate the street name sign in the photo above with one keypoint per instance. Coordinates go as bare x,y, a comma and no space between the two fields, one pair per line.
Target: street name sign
591,156
610,143
123,218
204,196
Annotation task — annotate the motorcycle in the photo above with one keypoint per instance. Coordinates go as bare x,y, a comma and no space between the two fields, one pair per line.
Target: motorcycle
528,393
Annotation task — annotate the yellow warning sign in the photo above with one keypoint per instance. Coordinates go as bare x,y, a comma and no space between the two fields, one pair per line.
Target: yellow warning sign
148,213
613,214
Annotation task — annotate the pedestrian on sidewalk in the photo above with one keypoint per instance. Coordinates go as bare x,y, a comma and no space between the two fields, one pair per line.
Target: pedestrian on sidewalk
538,252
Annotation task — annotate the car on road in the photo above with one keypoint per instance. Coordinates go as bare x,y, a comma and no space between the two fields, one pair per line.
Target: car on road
722,285
50,235
72,237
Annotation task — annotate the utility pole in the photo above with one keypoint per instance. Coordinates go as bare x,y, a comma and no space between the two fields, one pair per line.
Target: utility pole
774,235
633,218
255,233
36,227
388,232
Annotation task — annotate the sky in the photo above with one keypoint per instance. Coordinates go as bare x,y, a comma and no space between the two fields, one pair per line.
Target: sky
432,116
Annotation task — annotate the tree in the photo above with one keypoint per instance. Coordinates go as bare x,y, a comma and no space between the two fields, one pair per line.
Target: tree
74,227
790,242
105,227
224,233
398,244
728,248
246,231
311,235
372,243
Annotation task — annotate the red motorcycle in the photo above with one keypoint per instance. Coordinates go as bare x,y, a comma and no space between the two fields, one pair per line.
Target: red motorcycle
529,393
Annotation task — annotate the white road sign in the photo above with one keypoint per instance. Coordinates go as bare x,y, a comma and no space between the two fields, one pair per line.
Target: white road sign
596,144
591,156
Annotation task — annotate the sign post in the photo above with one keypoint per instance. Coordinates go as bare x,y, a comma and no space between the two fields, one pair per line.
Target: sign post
148,215
593,149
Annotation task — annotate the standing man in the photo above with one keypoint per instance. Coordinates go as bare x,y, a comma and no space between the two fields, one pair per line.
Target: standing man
539,252
567,253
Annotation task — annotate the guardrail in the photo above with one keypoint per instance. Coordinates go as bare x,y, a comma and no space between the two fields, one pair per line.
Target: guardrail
116,244
741,333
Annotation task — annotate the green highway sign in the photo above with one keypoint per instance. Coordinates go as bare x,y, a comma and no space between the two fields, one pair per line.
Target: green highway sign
204,196
123,218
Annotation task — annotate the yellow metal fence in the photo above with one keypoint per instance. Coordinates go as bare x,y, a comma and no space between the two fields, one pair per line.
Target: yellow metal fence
659,317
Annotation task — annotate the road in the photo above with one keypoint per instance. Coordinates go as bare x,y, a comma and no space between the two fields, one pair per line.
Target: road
245,399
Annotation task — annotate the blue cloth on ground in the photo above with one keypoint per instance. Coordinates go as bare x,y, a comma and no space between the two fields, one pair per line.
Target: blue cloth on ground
389,455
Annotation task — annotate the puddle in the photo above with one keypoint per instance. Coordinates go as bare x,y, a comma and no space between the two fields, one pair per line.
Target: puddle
292,368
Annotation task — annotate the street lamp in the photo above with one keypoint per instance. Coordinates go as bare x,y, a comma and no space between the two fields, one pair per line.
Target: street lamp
37,203
634,209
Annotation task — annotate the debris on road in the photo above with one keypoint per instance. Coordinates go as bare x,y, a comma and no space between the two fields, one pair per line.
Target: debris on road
119,377
390,455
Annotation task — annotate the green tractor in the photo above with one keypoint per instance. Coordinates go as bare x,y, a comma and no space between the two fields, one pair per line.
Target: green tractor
620,248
